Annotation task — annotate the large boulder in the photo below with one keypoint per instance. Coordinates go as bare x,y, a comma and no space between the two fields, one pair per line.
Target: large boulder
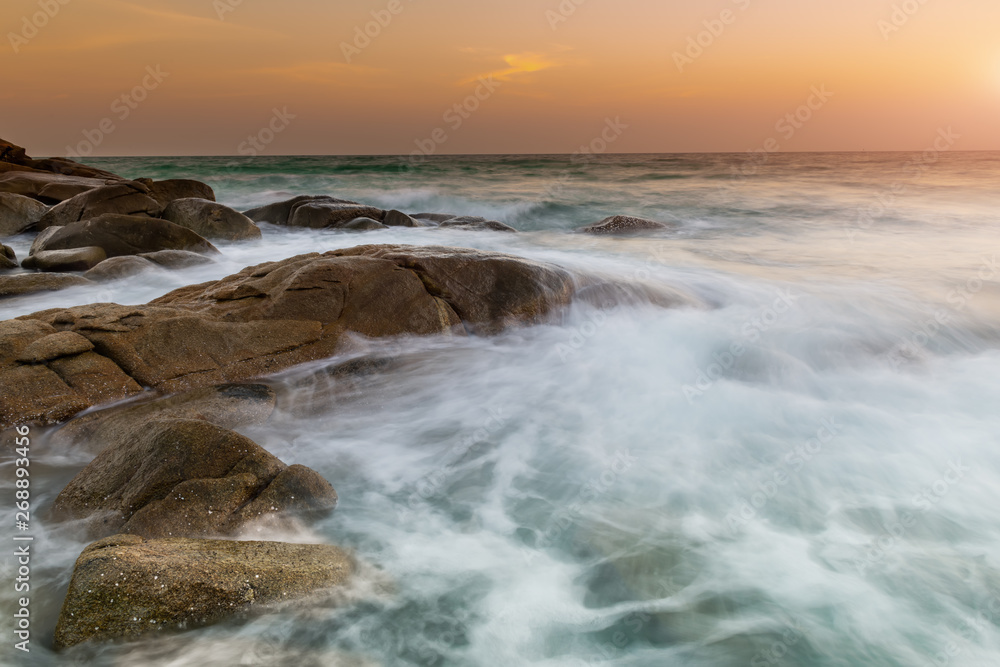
18,213
46,187
123,235
315,212
623,224
77,259
188,478
177,188
125,198
211,220
124,587
30,283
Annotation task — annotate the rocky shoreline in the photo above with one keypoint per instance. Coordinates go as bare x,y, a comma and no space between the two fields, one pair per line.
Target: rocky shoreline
173,488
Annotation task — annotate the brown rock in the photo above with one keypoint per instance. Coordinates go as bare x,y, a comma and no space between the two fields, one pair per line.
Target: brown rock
18,213
46,187
76,259
396,218
176,259
116,268
228,406
124,586
123,235
475,223
124,198
12,154
29,283
177,188
8,258
279,213
53,346
211,220
623,224
188,478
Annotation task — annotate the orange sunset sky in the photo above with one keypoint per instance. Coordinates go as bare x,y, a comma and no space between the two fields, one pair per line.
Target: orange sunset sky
559,71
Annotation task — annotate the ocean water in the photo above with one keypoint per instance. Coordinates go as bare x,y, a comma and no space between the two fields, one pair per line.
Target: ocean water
801,467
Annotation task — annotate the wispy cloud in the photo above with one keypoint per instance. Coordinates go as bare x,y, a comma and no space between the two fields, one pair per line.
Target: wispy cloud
518,63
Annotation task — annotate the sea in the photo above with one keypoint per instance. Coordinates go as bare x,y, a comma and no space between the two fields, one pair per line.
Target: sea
800,466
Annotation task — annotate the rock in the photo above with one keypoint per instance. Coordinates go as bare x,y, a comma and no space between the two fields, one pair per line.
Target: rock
188,478
29,283
46,187
488,291
53,346
125,198
8,258
211,220
623,224
124,235
12,154
18,213
47,376
331,214
435,217
227,405
396,218
124,587
270,317
361,225
176,259
76,259
177,188
279,213
315,212
475,223
116,268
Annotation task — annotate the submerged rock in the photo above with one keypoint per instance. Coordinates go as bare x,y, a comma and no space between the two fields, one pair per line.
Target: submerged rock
125,198
475,223
211,220
122,235
227,405
75,259
623,224
18,213
188,478
124,586
396,218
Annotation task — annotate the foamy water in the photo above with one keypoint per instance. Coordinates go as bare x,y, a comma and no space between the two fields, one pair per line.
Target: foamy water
800,470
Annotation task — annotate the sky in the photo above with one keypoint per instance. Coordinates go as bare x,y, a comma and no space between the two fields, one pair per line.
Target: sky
231,77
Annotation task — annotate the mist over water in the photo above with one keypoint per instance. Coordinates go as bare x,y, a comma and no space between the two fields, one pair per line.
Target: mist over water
798,468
